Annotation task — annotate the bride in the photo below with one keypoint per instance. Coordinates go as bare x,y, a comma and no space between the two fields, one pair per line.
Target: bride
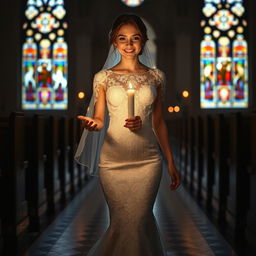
124,150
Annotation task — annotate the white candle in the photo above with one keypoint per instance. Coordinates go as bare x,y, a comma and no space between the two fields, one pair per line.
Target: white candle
130,92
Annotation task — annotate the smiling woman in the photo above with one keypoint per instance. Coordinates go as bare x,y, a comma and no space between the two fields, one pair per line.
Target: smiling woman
130,161
129,36
128,41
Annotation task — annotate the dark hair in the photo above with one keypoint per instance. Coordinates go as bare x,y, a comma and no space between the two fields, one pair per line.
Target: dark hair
124,19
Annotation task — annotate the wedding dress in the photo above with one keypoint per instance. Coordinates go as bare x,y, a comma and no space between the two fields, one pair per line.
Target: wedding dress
130,167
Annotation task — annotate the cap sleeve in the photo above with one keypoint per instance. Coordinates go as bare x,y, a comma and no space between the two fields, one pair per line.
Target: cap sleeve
160,81
98,81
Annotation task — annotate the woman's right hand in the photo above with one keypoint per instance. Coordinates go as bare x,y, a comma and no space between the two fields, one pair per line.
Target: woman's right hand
89,123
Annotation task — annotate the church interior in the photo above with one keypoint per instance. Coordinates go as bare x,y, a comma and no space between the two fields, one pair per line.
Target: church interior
51,50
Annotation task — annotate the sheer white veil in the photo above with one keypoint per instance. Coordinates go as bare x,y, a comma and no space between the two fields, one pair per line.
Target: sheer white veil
89,147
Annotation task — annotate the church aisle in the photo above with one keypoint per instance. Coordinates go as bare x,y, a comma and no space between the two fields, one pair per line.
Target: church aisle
185,228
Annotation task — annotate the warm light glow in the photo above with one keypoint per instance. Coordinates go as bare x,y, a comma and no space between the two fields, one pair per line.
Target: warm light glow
81,95
207,30
130,86
224,94
132,3
170,109
60,32
177,109
216,33
240,29
185,94
29,32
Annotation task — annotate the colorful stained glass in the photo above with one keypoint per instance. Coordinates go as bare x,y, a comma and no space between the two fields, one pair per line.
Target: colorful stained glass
240,69
223,20
224,67
238,9
29,72
209,9
60,69
132,3
45,51
213,1
208,69
234,1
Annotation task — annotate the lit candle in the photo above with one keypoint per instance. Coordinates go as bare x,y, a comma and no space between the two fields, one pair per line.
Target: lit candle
130,92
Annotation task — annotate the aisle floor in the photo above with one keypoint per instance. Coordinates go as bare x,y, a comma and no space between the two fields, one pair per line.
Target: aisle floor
185,228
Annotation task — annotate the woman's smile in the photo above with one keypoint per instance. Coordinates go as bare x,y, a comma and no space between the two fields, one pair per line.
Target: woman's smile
129,50
128,41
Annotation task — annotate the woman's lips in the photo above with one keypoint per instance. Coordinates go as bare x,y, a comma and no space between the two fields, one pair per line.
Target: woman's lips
129,51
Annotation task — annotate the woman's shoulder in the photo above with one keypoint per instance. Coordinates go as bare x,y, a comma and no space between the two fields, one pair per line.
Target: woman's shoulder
101,75
102,72
159,74
157,71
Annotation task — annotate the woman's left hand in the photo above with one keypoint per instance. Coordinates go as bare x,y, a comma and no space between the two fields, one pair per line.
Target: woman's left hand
133,123
175,176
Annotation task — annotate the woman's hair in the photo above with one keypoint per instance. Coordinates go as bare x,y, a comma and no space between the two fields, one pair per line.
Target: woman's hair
124,19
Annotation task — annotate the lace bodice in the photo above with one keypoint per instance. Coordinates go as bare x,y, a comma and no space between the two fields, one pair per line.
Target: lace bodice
108,78
138,145
116,85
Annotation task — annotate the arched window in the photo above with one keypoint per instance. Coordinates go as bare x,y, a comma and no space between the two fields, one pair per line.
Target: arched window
224,58
132,3
44,55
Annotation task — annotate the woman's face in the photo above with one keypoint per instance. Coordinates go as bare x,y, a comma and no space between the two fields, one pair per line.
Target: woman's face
128,41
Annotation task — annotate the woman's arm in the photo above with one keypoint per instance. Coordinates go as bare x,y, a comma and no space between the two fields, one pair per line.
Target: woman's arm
161,131
97,122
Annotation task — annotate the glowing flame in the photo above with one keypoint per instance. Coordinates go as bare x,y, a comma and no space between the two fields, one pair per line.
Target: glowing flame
185,94
170,109
177,109
81,95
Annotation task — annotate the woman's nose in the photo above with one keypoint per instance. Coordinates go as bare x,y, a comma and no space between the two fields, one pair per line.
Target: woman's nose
129,42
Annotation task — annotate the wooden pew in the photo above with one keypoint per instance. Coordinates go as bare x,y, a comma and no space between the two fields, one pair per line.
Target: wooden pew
220,167
3,129
179,145
64,171
73,142
172,132
197,181
207,169
251,215
13,166
52,179
184,149
3,125
191,153
238,187
174,129
82,170
35,175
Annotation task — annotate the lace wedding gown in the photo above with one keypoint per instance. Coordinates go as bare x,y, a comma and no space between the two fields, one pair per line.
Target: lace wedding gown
130,167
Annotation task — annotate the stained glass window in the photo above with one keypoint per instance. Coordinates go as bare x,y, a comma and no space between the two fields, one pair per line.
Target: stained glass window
224,58
132,3
44,55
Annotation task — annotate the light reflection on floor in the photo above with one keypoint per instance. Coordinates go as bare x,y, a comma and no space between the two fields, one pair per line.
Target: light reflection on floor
185,229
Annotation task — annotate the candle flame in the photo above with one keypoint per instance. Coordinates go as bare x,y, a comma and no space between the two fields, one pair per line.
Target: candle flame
130,85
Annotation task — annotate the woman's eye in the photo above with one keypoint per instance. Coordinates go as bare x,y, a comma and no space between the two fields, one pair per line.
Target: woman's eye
121,38
136,38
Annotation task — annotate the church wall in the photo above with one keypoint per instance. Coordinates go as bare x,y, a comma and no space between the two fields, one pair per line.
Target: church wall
176,24
10,55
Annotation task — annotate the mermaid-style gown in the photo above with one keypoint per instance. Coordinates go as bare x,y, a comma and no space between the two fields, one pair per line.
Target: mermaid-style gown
130,167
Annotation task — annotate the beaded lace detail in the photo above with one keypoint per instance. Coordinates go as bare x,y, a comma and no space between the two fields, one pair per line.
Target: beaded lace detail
108,78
